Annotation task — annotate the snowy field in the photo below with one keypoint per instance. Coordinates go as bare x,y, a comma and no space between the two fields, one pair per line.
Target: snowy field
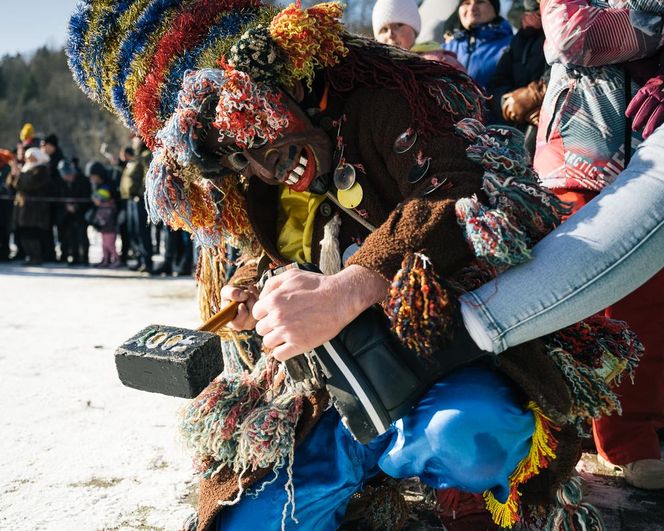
78,450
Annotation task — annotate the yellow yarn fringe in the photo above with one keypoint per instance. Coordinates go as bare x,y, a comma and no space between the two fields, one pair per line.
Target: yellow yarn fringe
210,275
310,38
542,452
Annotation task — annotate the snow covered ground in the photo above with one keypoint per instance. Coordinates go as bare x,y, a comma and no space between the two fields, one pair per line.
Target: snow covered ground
78,450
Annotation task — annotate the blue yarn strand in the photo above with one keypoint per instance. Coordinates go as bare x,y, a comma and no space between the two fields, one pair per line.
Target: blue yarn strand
227,26
134,43
77,28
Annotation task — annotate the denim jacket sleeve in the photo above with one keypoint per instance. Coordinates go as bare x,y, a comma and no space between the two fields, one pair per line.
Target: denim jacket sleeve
605,251
581,34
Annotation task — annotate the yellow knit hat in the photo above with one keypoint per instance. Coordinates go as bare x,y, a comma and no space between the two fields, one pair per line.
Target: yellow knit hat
27,132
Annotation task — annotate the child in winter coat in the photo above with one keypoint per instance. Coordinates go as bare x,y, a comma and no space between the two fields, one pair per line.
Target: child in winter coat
105,221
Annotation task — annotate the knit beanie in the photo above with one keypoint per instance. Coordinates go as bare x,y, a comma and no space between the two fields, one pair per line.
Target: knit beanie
27,132
395,11
95,167
51,139
40,158
65,168
103,194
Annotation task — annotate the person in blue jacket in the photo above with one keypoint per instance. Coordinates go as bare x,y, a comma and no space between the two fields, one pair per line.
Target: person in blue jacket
479,38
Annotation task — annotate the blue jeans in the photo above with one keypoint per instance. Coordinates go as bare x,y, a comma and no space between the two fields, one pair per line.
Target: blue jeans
605,251
468,432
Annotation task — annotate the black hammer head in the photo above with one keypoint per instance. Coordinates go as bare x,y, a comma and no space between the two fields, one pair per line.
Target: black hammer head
169,360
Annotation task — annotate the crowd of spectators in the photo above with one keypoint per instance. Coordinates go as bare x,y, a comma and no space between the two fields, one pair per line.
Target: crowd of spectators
50,208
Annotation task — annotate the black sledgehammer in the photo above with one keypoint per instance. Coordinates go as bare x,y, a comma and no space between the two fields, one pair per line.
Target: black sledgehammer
181,362
174,361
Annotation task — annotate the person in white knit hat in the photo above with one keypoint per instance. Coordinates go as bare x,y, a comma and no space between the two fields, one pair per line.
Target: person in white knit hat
396,22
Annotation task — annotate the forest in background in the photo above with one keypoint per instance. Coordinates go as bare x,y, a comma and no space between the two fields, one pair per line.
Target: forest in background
39,88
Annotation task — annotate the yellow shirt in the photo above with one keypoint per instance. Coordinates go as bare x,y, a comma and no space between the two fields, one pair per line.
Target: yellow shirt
297,211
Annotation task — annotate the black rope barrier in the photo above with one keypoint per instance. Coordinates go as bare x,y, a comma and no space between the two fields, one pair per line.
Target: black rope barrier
29,199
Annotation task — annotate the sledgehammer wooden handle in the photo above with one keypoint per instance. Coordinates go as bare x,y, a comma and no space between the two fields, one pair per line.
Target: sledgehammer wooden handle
221,318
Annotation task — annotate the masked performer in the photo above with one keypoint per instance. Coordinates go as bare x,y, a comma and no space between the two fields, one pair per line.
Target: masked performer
285,136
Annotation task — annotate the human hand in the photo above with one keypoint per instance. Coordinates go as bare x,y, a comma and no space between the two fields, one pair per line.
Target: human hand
519,105
647,107
299,310
247,296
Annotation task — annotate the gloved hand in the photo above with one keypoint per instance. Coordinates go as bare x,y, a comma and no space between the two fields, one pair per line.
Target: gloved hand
647,107
522,105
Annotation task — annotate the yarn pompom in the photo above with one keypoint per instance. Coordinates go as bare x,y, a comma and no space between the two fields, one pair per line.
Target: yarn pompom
256,54
182,130
491,233
247,112
311,38
419,308
571,512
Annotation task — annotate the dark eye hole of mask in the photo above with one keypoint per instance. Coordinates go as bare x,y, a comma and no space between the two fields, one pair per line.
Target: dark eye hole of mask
235,156
237,160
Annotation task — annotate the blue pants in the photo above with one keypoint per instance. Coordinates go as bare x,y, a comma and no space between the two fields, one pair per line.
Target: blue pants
468,432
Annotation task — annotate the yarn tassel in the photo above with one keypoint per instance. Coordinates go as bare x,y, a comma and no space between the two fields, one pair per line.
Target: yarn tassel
209,274
492,233
267,439
179,205
571,513
606,344
209,423
537,209
330,257
268,432
594,355
519,211
419,308
542,452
